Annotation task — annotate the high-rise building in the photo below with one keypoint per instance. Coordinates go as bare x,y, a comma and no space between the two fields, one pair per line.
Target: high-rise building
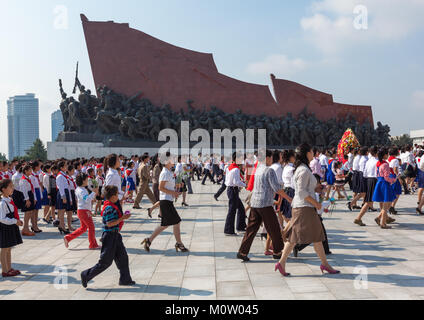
23,127
57,124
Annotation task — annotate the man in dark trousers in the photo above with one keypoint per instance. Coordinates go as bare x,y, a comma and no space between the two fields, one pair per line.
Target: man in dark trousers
113,248
233,181
223,185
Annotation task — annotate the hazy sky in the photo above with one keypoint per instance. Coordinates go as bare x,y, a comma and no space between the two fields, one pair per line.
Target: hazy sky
311,42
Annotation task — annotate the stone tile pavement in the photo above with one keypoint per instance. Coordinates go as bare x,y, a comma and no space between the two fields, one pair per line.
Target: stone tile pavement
392,261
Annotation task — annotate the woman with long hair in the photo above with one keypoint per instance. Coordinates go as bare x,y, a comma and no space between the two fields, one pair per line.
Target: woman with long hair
305,225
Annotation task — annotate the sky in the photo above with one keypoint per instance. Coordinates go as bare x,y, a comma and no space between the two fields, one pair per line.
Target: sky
366,52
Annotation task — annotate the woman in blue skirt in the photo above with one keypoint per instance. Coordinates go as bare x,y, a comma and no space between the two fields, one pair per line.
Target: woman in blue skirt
395,173
38,196
383,191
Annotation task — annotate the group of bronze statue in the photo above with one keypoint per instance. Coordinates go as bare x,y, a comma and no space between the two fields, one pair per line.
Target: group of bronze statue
118,117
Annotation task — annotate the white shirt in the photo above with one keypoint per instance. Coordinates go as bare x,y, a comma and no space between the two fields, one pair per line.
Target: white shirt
16,178
4,210
394,164
355,165
279,172
362,162
421,166
408,157
178,168
208,166
62,184
323,160
233,179
84,199
35,181
168,176
25,188
288,173
113,178
371,168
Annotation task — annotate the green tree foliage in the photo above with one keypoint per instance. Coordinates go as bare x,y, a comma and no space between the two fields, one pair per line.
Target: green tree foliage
402,140
37,151
3,157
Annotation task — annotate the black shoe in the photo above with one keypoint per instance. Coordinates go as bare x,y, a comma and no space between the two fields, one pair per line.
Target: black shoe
39,231
372,210
47,221
83,280
328,253
357,207
185,204
136,207
349,205
392,211
62,231
216,198
295,252
244,258
56,223
277,256
127,284
264,235
419,211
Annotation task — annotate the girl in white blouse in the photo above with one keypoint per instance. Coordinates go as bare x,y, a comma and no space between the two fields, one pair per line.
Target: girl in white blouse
63,201
27,188
112,166
9,228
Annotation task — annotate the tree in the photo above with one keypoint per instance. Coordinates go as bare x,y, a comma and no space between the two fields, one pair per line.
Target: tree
37,151
402,140
3,157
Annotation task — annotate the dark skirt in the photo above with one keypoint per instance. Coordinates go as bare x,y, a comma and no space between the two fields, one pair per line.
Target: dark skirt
32,203
46,201
39,203
371,182
99,197
355,181
59,202
170,215
286,208
74,201
53,198
9,236
362,183
18,199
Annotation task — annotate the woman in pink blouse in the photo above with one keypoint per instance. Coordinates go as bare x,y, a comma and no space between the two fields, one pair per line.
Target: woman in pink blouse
383,192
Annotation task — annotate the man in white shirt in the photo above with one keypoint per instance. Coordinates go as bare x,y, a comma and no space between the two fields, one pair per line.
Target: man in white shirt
234,183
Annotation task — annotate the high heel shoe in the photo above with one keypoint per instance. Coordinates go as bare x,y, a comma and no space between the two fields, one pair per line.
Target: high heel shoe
149,213
63,231
38,231
280,268
330,271
419,211
185,204
181,247
146,242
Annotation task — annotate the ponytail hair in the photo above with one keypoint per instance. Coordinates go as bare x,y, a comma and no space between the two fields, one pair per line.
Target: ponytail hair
110,162
302,156
381,153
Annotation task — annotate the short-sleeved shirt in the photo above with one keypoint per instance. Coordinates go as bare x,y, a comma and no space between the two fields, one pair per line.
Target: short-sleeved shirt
167,176
110,214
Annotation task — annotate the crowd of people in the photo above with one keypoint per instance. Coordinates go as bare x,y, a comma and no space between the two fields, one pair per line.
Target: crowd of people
287,192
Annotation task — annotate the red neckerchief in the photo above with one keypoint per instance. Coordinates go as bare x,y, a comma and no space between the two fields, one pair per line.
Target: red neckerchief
5,175
252,177
101,178
380,163
235,166
129,171
391,158
15,210
330,161
68,179
99,166
114,206
38,179
29,181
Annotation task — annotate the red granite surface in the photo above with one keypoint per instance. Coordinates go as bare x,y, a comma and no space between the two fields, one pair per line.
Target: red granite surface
130,61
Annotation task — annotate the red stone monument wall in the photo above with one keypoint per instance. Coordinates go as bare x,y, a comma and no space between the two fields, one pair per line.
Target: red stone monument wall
130,61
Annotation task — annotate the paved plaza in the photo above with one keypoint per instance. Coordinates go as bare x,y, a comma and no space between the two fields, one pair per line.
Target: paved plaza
392,260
